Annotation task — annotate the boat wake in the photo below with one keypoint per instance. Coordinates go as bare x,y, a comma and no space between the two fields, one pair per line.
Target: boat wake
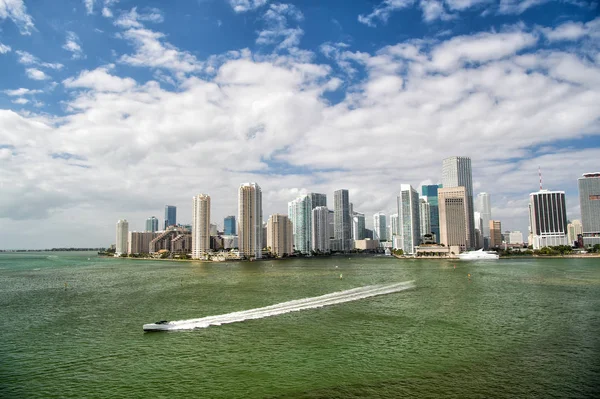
284,307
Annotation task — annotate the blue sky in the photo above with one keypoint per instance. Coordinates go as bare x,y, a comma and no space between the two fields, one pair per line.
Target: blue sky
110,109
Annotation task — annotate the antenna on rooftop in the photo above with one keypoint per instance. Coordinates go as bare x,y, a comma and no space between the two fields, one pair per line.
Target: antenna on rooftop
540,173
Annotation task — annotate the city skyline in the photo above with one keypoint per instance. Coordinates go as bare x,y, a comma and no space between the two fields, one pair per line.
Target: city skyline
111,110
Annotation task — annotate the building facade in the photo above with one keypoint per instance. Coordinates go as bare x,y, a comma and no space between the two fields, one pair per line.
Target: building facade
317,199
409,220
300,214
456,172
320,229
152,224
515,237
574,229
379,226
425,216
122,234
589,203
394,226
430,192
358,226
200,226
495,233
454,211
280,235
342,220
229,226
170,216
139,242
484,207
250,226
548,219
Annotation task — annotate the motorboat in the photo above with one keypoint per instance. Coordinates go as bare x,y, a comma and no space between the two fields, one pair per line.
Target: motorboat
480,254
162,325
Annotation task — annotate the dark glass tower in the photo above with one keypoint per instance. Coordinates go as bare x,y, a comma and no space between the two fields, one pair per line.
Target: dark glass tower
170,215
431,192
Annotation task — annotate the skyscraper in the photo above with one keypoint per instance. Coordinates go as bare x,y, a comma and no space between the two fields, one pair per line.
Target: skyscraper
170,216
394,225
454,215
229,226
152,224
320,229
122,233
342,220
431,192
409,220
483,206
279,235
495,233
317,199
250,226
425,216
358,226
200,226
379,226
456,172
574,229
548,219
300,214
589,202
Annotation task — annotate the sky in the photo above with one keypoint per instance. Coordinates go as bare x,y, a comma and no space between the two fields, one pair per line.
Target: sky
111,109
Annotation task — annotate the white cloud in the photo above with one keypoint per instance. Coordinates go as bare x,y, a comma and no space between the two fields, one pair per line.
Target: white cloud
277,31
246,5
36,74
21,92
570,31
4,48
518,6
89,6
21,101
72,45
17,12
100,80
26,58
383,11
132,18
434,9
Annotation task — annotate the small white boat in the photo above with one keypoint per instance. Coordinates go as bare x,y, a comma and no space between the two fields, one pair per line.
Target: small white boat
479,255
162,325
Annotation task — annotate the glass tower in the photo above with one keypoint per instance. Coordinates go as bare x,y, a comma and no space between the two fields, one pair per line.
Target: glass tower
229,225
170,215
431,192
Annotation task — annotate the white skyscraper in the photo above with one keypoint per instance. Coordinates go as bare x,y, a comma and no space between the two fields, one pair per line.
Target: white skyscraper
589,203
424,214
379,227
250,226
358,226
548,219
200,225
122,233
456,172
409,220
483,206
320,229
394,225
300,213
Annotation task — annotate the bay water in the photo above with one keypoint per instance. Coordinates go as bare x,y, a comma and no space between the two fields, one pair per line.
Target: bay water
71,327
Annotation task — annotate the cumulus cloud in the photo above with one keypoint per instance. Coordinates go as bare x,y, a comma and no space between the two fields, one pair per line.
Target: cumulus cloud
16,11
382,12
570,31
4,48
36,74
240,6
100,80
72,45
21,92
132,18
277,31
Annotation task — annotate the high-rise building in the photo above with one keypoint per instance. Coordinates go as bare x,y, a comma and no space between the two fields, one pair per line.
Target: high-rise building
320,229
317,199
589,202
330,220
250,226
394,225
300,214
454,217
279,235
122,233
152,224
200,226
229,226
409,220
342,220
139,242
574,229
483,206
379,227
479,239
515,237
170,216
425,216
495,233
431,192
358,226
548,219
456,172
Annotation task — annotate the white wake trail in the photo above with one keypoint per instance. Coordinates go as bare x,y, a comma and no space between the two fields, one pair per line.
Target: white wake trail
285,307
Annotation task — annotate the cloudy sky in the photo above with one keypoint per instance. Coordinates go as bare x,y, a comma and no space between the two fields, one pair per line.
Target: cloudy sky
111,109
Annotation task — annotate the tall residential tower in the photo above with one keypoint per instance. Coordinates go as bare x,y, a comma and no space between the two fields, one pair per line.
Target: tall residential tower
456,172
250,227
200,226
342,220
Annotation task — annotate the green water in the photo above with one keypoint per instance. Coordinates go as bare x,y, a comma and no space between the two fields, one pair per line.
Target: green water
517,328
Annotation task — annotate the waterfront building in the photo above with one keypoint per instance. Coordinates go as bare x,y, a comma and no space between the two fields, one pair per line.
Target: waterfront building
280,235
317,199
320,229
122,233
152,224
175,239
409,220
369,234
300,214
379,226
479,239
456,172
230,242
358,226
139,242
515,237
330,220
201,226
431,193
366,244
484,207
342,220
454,217
574,230
170,216
425,216
229,226
589,203
250,226
394,225
495,233
548,219
214,230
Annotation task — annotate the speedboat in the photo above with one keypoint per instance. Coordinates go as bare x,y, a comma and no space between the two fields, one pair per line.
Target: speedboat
162,325
479,255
